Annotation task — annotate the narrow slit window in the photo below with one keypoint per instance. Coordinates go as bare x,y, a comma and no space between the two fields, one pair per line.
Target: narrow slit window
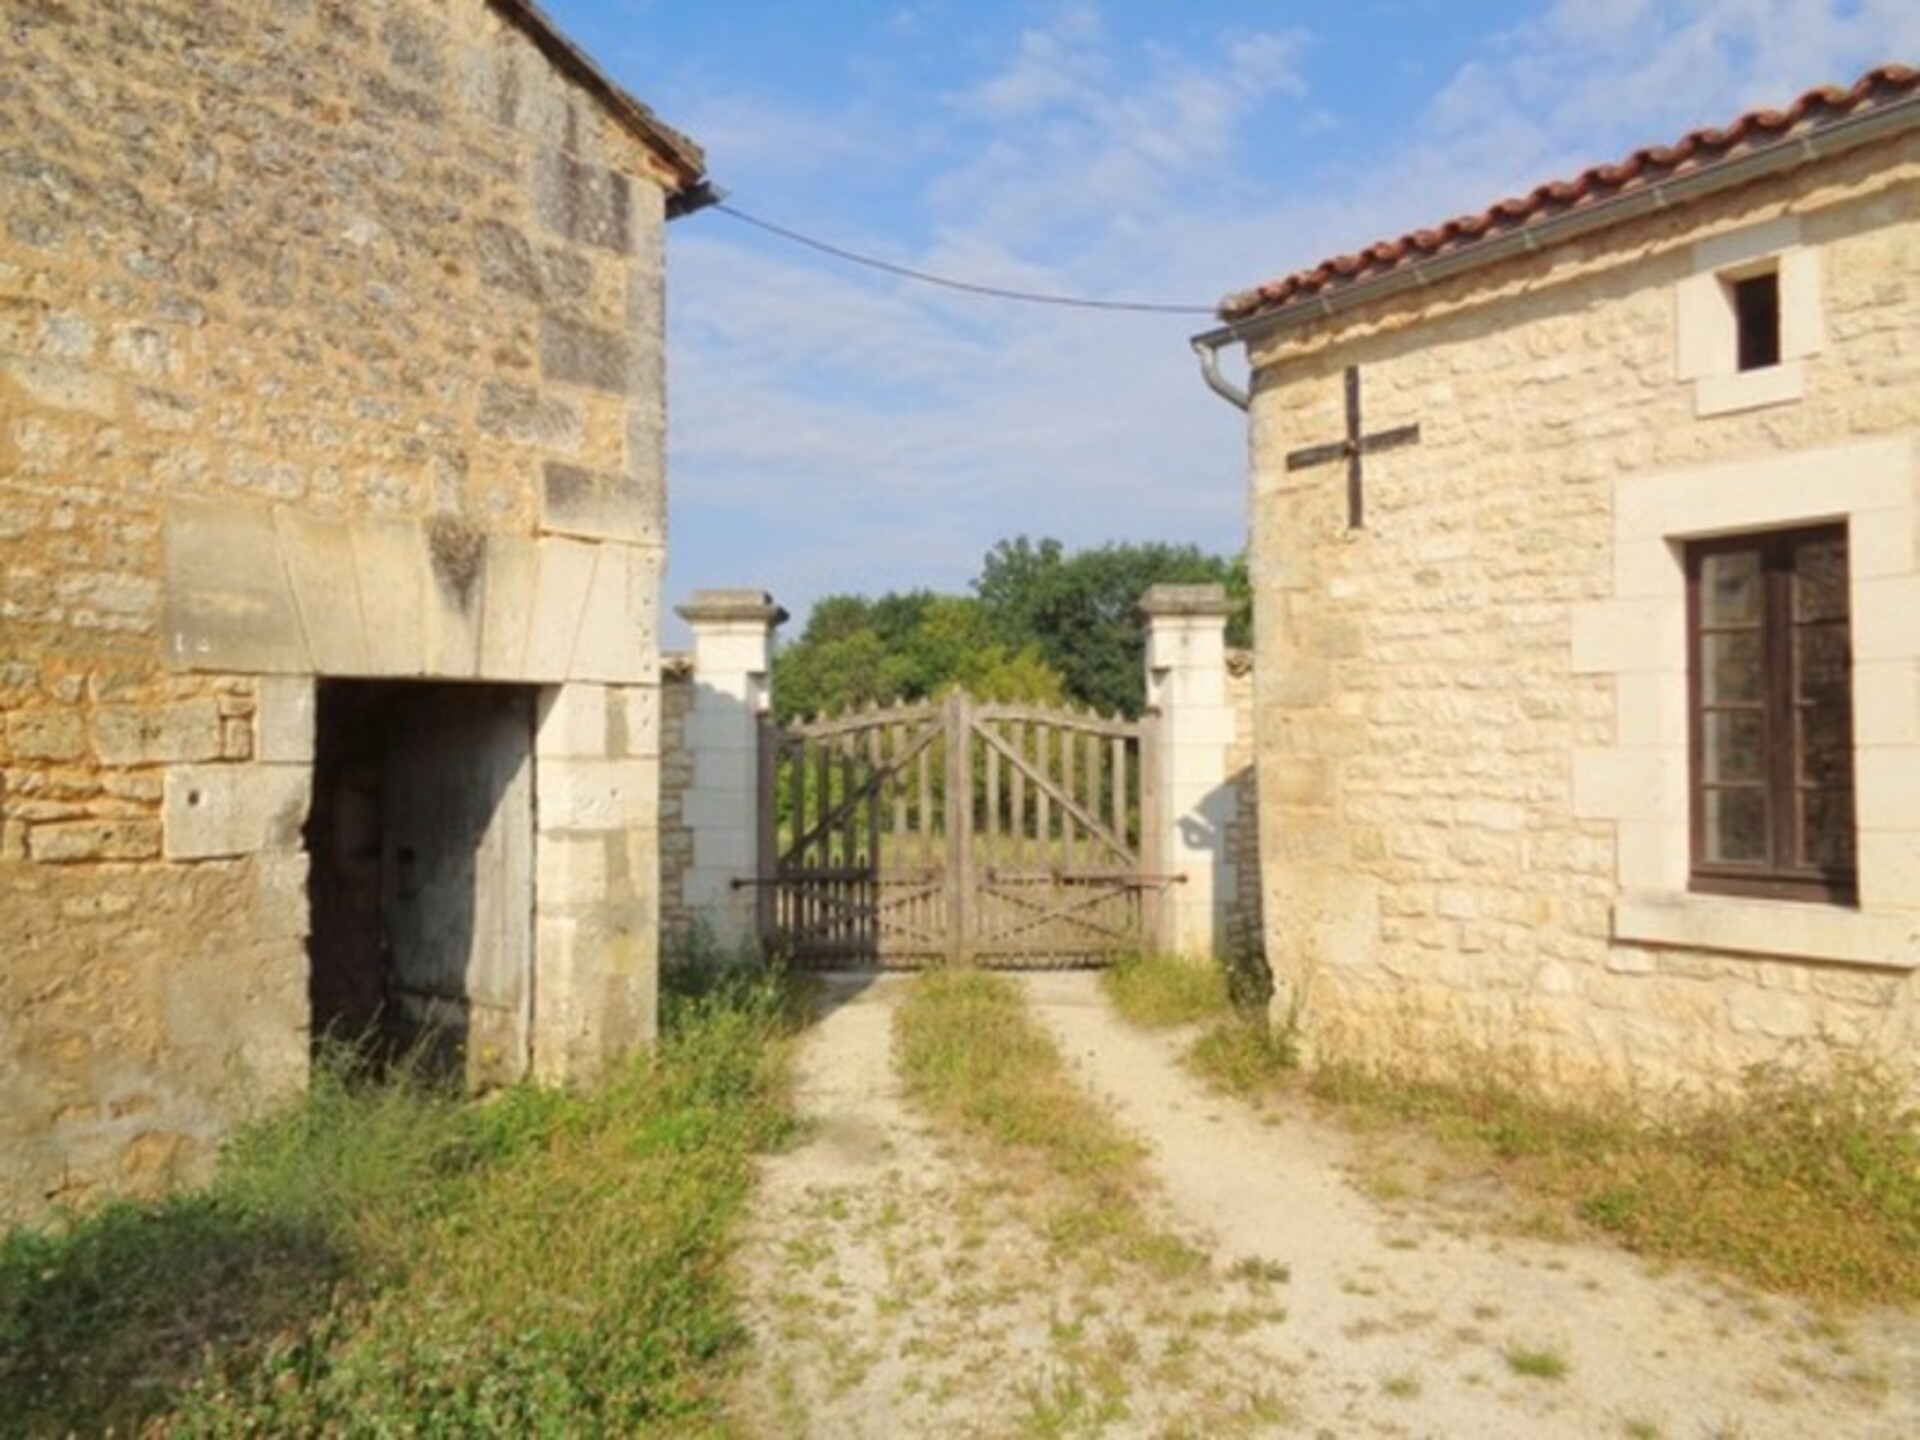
1756,314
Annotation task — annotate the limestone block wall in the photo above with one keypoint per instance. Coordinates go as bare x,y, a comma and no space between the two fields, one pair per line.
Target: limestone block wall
727,703
1473,722
676,780
329,346
1244,927
1185,751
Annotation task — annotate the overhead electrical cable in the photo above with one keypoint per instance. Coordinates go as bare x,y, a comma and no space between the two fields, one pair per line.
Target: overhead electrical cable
947,282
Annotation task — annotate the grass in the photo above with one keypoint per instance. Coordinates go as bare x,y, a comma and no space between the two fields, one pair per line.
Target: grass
392,1258
1159,992
970,1054
1805,1185
1545,1363
1239,1051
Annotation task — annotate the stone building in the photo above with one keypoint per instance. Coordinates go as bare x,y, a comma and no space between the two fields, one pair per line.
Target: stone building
331,499
1585,537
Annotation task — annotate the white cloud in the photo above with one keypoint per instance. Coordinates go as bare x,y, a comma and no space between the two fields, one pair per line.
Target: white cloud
839,430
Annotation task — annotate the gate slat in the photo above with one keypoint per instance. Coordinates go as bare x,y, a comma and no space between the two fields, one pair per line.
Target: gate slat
1016,841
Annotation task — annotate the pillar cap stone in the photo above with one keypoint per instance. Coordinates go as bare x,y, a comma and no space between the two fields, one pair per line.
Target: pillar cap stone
731,605
1186,600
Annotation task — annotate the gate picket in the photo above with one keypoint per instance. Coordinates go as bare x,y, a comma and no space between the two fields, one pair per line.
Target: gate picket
958,832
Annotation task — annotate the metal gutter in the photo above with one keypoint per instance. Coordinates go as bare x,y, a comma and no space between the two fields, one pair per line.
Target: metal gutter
1831,139
1235,395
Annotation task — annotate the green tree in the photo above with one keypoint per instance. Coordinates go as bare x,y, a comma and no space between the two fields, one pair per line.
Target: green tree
1042,626
1081,609
902,647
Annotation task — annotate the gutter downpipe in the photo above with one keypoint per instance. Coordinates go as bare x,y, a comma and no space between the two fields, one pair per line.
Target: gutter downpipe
1755,165
1208,348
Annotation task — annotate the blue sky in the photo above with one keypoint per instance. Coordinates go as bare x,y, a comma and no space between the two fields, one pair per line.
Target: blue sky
837,430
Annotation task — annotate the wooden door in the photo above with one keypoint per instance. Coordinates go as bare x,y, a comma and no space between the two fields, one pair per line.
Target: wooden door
457,867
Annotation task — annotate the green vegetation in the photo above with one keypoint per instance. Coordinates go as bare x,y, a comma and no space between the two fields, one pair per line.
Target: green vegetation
1042,627
1544,1363
857,652
1403,1386
1158,993
971,1055
1239,1051
1081,609
389,1258
1806,1185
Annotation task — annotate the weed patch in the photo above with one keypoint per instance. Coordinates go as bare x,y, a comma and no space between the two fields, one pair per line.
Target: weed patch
1805,1185
1544,1363
1239,1052
969,1053
1243,1055
389,1258
1159,992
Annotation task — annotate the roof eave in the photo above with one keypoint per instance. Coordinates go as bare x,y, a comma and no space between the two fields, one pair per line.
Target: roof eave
1789,150
681,156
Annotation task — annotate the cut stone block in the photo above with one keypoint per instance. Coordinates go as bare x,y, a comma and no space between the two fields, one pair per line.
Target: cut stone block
228,605
211,811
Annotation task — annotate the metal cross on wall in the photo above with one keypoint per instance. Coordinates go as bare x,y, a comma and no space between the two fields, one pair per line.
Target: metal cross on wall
1353,447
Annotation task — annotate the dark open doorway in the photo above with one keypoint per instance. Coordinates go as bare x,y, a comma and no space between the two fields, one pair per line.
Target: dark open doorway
421,886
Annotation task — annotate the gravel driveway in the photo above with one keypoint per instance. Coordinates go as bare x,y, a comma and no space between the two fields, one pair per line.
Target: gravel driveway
898,1286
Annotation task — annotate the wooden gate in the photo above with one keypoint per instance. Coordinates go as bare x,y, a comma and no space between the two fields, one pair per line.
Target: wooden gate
956,832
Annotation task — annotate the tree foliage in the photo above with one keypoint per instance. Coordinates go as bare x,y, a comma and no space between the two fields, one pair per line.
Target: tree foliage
1082,609
1042,626
857,652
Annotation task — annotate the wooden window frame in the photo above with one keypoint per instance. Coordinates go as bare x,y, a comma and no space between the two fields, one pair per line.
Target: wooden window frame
1776,877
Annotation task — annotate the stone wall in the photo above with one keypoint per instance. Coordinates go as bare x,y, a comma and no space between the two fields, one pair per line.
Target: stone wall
1473,748
1244,927
329,346
677,916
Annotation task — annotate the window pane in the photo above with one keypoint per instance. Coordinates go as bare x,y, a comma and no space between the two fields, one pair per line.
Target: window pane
1826,747
1756,311
1736,825
1730,588
1731,745
1824,709
1820,656
1820,579
1730,667
1826,829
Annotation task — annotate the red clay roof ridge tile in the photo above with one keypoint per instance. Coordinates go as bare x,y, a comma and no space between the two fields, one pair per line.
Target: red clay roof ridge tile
1645,167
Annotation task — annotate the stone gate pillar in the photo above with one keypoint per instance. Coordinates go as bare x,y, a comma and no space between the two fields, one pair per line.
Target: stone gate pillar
732,650
1187,693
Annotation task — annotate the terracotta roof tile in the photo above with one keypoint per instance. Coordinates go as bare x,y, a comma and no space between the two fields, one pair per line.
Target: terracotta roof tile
1645,167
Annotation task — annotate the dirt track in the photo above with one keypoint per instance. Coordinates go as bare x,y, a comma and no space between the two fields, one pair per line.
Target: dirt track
897,1290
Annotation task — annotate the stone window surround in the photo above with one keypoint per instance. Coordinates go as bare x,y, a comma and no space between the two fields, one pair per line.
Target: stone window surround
1782,741
1639,639
1706,341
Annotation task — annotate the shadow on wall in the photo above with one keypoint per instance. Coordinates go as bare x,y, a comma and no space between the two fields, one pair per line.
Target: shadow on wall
709,815
1222,833
421,845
